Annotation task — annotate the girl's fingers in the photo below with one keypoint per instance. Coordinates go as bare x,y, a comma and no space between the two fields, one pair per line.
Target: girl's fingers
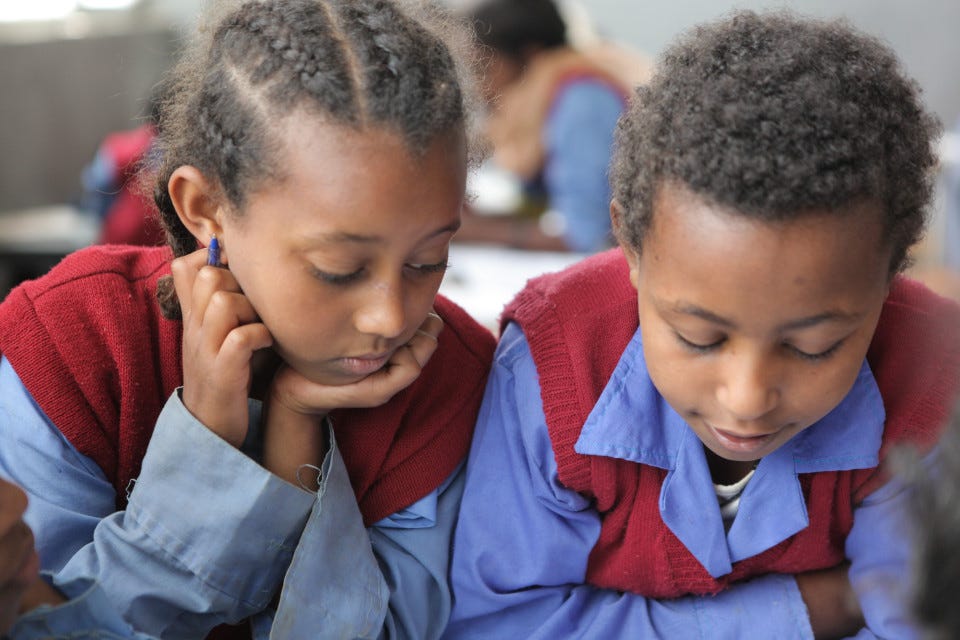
424,341
225,311
184,270
239,345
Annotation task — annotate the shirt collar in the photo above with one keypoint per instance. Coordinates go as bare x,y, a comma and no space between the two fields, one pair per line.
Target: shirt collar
632,421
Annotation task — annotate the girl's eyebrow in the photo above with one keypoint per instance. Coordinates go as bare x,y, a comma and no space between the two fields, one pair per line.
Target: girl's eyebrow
337,237
689,309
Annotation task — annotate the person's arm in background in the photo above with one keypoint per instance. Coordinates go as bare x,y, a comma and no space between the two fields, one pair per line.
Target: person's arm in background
578,139
522,542
880,552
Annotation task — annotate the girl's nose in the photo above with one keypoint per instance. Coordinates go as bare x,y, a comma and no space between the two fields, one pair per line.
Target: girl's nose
382,313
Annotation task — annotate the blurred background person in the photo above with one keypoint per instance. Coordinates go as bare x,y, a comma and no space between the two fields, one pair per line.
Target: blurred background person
552,107
110,187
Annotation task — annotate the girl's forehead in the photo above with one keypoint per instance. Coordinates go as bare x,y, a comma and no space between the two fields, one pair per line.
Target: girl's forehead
360,179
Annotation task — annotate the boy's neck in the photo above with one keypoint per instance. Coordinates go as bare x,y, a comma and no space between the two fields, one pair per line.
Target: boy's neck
727,472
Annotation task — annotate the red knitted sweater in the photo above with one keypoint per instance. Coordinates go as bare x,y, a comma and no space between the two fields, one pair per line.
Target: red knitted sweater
578,323
91,347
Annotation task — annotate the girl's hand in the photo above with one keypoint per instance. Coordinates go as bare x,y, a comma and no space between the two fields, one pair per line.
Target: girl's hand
303,396
221,332
293,435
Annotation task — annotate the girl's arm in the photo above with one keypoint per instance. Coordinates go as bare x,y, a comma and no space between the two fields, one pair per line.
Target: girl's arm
206,537
522,543
388,581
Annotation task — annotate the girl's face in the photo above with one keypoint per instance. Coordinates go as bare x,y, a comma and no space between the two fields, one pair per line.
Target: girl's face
752,330
342,258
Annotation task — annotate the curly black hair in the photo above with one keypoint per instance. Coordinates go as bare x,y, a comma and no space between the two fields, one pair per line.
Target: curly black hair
773,115
398,65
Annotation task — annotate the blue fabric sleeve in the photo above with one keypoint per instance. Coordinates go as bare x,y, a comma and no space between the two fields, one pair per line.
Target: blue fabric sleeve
578,142
390,581
522,542
206,538
89,616
879,550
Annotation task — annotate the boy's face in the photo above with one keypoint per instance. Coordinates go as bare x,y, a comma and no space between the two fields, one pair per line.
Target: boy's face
752,330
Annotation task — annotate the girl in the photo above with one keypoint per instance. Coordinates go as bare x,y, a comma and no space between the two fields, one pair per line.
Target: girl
305,414
705,411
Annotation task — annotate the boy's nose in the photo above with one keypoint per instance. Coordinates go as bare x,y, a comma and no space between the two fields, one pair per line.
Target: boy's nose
749,390
382,313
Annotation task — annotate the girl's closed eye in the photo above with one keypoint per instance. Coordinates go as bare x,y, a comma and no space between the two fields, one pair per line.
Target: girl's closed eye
339,279
344,279
426,268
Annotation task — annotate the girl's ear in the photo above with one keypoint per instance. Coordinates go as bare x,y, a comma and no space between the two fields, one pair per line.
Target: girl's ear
197,202
633,259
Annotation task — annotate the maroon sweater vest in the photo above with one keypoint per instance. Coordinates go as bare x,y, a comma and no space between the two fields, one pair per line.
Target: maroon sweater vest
91,347
578,323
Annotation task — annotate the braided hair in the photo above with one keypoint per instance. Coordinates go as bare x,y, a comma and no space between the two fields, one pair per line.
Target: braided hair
773,115
393,64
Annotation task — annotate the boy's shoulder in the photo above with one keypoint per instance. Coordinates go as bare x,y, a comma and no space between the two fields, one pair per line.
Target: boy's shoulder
915,359
585,290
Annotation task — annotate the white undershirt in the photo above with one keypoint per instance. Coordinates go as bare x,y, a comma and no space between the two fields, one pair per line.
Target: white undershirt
728,495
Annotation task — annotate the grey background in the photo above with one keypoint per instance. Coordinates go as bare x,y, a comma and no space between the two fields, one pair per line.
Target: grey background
64,86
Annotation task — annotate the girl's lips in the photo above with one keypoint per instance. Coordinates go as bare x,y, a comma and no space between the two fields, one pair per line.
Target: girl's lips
364,365
740,444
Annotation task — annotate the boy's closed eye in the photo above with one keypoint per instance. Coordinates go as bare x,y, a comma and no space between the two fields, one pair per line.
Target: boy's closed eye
707,346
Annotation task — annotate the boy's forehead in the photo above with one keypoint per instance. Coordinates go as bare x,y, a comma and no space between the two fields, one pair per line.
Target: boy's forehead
672,196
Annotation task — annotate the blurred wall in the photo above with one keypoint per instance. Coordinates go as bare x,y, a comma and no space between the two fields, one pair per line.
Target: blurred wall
59,95
924,33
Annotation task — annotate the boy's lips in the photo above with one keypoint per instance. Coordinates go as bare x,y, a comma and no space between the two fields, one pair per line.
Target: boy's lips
741,443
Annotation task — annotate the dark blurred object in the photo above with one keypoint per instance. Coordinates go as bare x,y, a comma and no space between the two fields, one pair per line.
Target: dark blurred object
33,240
936,516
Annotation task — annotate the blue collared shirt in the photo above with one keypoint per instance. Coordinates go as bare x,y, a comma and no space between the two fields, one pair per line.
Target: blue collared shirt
523,539
209,536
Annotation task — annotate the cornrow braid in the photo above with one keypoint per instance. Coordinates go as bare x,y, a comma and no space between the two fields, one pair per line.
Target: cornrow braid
393,64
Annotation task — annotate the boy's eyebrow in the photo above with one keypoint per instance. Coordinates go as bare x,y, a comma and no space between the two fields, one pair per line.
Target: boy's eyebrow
336,237
800,323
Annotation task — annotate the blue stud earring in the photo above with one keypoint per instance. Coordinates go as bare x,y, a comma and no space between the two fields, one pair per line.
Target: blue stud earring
213,252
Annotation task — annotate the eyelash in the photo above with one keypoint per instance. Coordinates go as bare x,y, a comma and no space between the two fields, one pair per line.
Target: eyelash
812,357
345,279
